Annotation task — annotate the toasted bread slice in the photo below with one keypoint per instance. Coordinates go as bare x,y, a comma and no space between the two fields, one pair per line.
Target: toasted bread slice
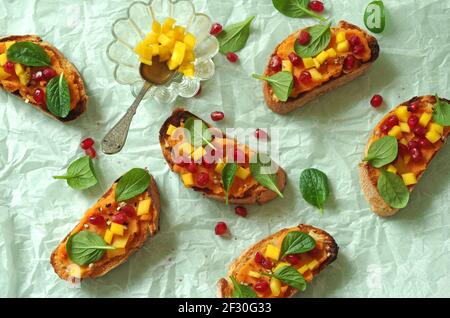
325,253
60,64
137,231
403,164
247,192
339,78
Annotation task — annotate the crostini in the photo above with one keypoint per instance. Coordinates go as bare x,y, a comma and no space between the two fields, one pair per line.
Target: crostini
400,150
111,230
315,65
210,162
280,265
29,66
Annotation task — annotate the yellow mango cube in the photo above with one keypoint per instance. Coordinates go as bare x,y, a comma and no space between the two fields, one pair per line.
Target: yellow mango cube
171,34
145,61
167,25
303,269
437,128
188,179
315,74
171,64
392,168
340,37
322,57
187,69
144,207
343,47
171,129
156,27
425,119
189,56
243,173
275,286
331,52
3,59
219,167
396,132
254,274
402,113
8,44
115,252
404,141
405,127
272,252
120,242
308,62
108,236
190,41
316,63
151,38
19,69
409,178
164,53
25,77
286,66
3,74
198,153
117,228
433,136
313,265
179,33
280,265
164,40
179,51
185,149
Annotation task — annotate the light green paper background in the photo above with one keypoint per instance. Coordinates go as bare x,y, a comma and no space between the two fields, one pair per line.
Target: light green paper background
407,255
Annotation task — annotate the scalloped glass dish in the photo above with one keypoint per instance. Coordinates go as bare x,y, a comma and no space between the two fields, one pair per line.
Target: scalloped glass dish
132,29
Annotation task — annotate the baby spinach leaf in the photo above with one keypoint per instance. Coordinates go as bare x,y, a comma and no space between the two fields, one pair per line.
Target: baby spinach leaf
234,37
374,17
228,174
392,189
296,243
290,276
263,174
58,96
382,152
320,39
28,53
314,187
281,83
242,291
295,8
132,183
86,247
441,113
199,132
80,174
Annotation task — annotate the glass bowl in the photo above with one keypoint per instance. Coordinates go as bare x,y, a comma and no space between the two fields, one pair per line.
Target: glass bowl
133,28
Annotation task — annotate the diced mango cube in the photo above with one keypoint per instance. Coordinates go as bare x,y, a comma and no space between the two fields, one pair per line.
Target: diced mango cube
286,66
322,57
164,53
308,62
188,179
392,168
25,77
3,59
331,52
151,38
396,132
189,56
272,252
115,252
8,44
275,286
243,173
437,128
179,32
316,63
19,69
219,167
108,236
171,129
156,27
117,228
166,41
254,274
3,74
425,119
171,64
198,153
409,178
433,136
313,265
120,242
402,113
171,34
185,149
340,37
179,51
144,207
187,69
167,25
315,74
405,127
343,47
303,269
190,40
280,265
403,141
145,61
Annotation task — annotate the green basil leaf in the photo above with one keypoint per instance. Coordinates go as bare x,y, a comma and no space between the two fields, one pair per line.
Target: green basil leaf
281,83
295,8
374,17
228,174
234,37
242,291
382,152
263,174
296,243
132,183
392,189
291,277
314,187
58,96
199,132
441,113
86,247
320,39
28,53
80,174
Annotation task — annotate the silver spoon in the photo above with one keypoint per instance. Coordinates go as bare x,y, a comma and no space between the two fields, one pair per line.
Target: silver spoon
156,74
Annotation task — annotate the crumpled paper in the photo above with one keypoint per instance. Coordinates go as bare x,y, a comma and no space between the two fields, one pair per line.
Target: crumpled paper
403,256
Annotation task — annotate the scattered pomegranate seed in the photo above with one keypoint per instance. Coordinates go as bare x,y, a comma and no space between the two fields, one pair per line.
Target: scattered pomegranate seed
49,73
413,121
97,220
349,62
355,40
392,121
316,6
39,96
129,210
292,259
413,107
241,211
199,92
267,264
385,128
305,77
216,29
221,228
37,76
91,153
276,63
232,57
358,49
261,134
9,67
376,101
87,143
120,218
304,37
295,59
402,149
416,155
413,144
419,131
217,116
202,179
192,167
261,286
259,258
424,143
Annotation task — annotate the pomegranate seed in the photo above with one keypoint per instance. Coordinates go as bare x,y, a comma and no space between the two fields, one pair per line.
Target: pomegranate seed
416,155
49,73
241,211
295,59
304,37
413,107
305,77
358,49
199,92
9,67
376,101
232,57
402,149
129,210
202,179
355,40
97,220
87,143
292,259
91,153
349,62
392,121
37,76
261,134
419,131
413,144
316,6
259,258
39,96
385,128
413,121
192,167
221,228
217,116
120,218
267,264
216,29
424,143
276,63
261,286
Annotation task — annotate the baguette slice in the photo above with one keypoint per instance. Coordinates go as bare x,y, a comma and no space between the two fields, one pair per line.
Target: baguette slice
369,175
256,194
144,226
76,85
328,253
303,98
